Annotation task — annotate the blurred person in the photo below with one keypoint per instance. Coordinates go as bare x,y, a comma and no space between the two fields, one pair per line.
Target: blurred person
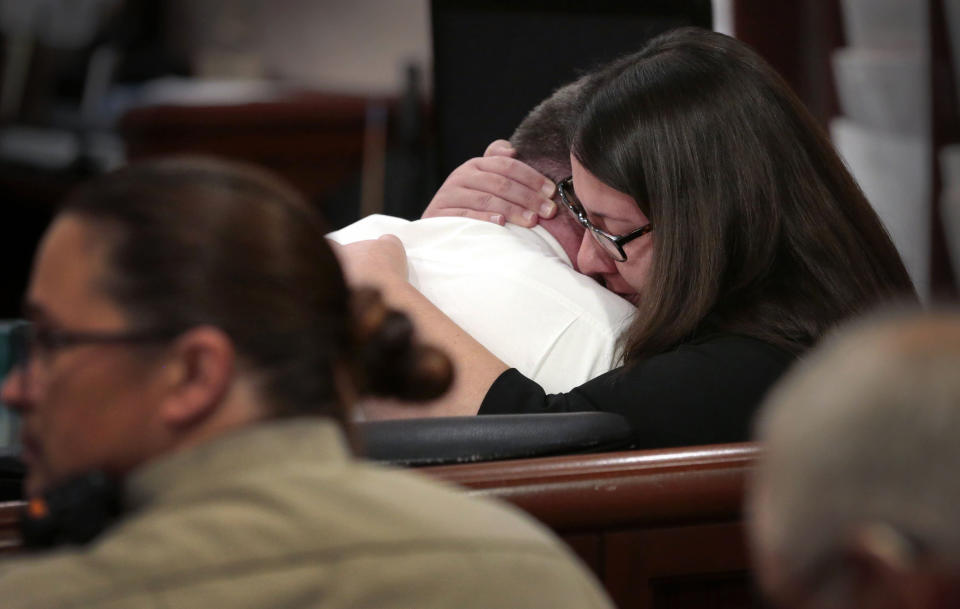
717,206
192,360
477,272
854,501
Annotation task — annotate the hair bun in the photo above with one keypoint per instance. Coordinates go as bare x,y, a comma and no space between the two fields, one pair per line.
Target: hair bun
392,362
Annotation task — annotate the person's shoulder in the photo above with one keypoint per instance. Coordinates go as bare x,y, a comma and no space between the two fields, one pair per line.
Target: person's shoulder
723,355
412,539
718,363
517,256
406,530
370,227
720,344
49,580
486,552
710,360
436,509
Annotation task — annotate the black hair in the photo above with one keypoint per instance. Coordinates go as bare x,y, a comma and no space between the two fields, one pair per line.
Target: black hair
201,241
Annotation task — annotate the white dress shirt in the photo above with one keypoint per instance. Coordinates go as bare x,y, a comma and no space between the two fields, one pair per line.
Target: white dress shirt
514,290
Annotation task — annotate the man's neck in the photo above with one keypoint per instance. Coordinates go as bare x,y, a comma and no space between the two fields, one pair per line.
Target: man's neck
567,232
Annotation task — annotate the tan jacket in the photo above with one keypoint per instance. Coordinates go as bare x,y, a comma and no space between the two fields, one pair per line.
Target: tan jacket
279,516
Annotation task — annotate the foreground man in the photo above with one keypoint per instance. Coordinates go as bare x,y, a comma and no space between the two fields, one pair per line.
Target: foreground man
855,503
193,357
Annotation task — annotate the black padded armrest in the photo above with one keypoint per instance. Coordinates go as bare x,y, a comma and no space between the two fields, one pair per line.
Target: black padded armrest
445,440
12,472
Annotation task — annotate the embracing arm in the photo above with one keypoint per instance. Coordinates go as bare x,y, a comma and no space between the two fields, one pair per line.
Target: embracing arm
382,264
495,188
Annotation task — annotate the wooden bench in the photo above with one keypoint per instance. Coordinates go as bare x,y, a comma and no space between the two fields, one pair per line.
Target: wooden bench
661,528
9,537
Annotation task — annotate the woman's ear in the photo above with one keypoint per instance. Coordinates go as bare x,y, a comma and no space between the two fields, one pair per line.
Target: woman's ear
200,370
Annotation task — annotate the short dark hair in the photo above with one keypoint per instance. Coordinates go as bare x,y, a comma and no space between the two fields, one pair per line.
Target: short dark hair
543,137
201,241
758,227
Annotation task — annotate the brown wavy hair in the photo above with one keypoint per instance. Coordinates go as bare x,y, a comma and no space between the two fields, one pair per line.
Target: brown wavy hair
759,229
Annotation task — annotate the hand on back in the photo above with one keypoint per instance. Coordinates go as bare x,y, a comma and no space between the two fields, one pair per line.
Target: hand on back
496,188
374,262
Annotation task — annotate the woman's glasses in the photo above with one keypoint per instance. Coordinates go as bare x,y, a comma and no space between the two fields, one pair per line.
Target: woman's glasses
611,244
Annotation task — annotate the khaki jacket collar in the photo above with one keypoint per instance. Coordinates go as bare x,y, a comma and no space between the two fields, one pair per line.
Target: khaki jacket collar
314,439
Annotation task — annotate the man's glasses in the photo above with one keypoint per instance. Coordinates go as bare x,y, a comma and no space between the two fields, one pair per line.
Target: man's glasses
27,340
611,244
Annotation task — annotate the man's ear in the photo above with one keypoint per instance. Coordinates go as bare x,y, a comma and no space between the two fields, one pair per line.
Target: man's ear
200,371
886,574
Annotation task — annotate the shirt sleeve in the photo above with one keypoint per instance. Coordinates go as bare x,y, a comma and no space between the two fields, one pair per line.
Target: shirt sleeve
695,394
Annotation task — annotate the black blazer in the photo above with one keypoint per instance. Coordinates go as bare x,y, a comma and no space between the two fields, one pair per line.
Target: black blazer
702,392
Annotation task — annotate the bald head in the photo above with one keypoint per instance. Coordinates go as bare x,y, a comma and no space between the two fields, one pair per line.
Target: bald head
861,454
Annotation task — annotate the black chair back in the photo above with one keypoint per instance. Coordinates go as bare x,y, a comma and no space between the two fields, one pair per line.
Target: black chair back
494,60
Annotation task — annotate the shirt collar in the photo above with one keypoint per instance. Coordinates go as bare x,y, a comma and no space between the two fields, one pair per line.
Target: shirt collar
543,239
257,445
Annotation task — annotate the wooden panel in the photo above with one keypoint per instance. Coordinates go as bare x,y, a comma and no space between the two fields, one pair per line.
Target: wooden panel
661,529
610,490
797,38
9,536
589,547
945,130
678,567
314,140
712,591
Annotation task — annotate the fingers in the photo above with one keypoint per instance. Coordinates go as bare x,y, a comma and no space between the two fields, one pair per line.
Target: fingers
493,186
493,217
500,148
516,171
374,262
394,251
391,239
479,205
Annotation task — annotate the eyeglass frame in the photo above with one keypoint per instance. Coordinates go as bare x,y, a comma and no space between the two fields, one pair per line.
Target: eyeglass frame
576,208
27,338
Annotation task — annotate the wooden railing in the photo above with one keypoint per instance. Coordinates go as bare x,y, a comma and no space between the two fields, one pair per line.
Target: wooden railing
9,536
661,529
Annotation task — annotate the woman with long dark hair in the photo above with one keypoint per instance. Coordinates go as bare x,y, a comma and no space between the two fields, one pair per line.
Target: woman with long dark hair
714,203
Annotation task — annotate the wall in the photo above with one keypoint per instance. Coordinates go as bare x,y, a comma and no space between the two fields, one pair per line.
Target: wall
351,46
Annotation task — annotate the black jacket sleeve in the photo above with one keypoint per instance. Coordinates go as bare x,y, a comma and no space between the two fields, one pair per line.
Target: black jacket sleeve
699,393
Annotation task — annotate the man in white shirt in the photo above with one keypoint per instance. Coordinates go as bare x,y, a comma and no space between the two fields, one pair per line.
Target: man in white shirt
515,289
